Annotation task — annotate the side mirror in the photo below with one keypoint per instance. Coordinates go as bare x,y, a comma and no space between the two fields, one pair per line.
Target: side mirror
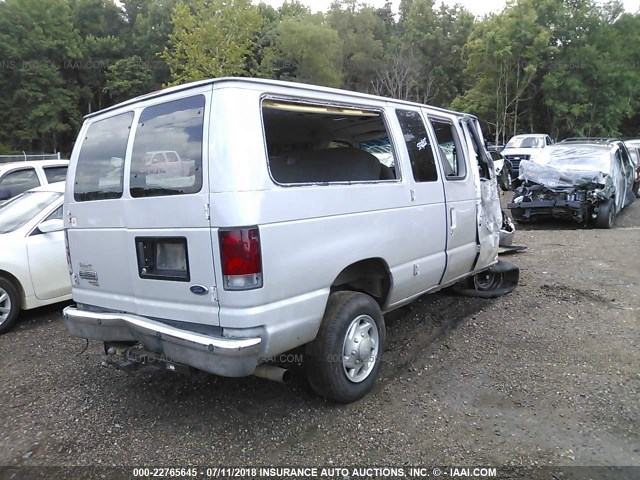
50,226
5,194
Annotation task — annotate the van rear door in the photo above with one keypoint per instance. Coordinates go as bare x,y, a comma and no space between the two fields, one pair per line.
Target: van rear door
139,236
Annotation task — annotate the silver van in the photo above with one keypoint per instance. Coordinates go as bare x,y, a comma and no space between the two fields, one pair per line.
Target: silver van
306,214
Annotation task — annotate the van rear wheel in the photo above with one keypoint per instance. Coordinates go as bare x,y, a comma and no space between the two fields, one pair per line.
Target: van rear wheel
342,363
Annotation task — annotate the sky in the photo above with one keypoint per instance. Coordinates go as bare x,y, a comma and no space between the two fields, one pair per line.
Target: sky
477,7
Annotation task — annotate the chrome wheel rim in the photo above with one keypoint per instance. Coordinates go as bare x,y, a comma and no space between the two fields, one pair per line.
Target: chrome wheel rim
360,348
5,305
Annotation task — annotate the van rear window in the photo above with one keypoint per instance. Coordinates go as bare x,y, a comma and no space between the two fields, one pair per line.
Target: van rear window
323,144
167,149
100,167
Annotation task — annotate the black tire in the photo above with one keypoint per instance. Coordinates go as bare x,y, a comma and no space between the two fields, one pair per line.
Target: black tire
606,214
325,360
9,305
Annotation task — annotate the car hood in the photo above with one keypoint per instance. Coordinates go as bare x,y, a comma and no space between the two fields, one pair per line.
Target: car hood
556,179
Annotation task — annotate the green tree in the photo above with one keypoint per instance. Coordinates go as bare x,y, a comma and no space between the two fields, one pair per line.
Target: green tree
435,39
591,86
150,25
504,55
100,18
361,32
211,38
128,78
306,50
39,94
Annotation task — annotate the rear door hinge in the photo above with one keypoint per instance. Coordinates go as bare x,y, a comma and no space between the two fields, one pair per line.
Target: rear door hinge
214,293
207,212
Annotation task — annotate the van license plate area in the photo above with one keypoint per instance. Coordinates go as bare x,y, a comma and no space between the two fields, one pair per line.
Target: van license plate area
163,258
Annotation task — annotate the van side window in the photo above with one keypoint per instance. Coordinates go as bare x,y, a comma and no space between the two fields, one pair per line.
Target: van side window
100,167
416,138
322,144
449,147
167,149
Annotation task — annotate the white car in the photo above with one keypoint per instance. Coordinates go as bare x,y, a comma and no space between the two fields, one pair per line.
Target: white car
524,147
18,177
33,265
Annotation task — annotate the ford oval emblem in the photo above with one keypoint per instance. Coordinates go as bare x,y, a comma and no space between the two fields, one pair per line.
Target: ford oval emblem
199,290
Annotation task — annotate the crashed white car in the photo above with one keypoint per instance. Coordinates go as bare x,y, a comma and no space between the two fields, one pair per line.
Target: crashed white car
585,180
33,266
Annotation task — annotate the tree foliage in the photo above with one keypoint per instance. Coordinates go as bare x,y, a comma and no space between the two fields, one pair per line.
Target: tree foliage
211,38
565,67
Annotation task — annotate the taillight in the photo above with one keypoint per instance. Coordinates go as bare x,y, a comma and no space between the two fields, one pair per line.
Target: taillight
66,247
241,258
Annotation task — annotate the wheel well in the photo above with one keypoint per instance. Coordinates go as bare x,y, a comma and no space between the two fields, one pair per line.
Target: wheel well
370,276
16,284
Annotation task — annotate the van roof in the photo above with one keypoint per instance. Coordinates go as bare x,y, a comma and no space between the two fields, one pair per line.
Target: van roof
261,81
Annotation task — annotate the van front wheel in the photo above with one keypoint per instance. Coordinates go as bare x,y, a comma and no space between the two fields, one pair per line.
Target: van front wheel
342,363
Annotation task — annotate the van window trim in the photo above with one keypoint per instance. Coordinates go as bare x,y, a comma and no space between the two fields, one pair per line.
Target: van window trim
313,102
456,178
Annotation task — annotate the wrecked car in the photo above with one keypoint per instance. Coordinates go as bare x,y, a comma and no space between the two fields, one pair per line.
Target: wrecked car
586,181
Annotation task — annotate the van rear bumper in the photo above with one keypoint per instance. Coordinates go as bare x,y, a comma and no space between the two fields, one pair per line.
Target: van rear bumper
231,357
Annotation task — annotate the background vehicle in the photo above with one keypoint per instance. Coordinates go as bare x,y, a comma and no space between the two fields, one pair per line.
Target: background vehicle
309,213
18,177
524,147
634,152
576,179
33,267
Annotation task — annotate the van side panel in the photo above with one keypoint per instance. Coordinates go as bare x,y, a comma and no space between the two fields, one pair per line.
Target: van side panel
310,233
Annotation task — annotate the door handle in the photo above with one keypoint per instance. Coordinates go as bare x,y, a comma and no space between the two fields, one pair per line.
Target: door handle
453,218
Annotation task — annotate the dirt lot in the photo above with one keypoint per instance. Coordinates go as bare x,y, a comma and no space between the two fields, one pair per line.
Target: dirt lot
548,375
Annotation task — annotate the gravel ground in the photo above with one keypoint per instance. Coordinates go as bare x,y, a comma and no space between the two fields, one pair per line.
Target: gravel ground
548,375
